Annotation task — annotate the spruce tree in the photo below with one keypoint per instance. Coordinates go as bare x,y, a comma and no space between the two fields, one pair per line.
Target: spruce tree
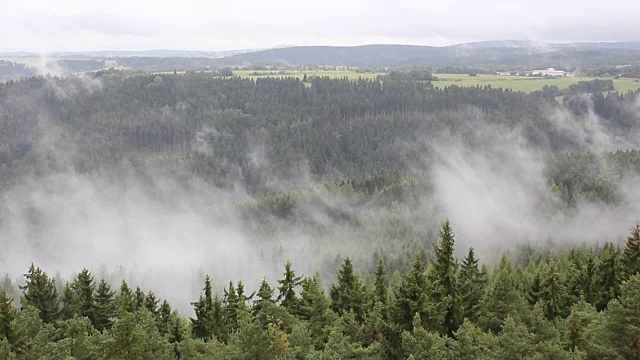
609,276
41,292
622,321
265,296
151,303
287,289
472,284
104,306
553,292
444,291
232,307
381,284
83,287
348,293
139,298
69,303
164,317
126,299
200,324
501,299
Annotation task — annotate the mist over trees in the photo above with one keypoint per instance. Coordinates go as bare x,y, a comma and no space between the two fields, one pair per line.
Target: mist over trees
573,304
285,219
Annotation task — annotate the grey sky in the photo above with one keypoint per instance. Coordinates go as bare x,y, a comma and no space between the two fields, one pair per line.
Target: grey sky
45,25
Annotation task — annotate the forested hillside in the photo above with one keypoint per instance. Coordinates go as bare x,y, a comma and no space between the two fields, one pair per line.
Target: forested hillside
489,54
152,181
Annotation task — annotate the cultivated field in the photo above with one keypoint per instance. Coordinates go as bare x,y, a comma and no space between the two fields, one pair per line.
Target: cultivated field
26,61
523,83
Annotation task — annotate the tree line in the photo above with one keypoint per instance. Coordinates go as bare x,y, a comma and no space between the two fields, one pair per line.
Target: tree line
581,303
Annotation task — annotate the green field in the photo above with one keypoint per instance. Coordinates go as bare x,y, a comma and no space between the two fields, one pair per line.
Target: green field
27,61
523,83
517,83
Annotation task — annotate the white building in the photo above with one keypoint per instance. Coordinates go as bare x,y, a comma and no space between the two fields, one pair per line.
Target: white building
549,72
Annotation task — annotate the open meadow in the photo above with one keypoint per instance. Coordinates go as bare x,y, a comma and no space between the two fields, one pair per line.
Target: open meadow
524,83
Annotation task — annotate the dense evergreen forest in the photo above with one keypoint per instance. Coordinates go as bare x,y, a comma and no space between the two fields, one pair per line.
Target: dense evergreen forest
576,304
346,178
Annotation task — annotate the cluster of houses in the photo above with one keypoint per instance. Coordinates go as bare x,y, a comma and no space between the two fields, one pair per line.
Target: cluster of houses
546,72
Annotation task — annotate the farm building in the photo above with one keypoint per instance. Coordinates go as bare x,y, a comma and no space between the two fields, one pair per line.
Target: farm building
550,72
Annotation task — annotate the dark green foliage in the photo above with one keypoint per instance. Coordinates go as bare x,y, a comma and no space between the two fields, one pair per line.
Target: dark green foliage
552,293
348,294
609,273
7,315
443,279
151,303
104,306
381,284
557,322
164,318
126,299
472,282
83,287
631,255
287,289
621,326
40,292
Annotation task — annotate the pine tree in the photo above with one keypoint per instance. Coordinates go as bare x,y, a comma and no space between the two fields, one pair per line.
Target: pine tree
420,344
515,341
631,255
104,306
348,294
472,343
129,338
6,353
472,284
287,293
444,290
40,292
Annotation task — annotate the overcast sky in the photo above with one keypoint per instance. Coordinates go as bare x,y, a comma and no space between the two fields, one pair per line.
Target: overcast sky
47,25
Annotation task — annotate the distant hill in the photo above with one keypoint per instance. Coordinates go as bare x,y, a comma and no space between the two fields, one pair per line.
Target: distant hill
490,53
